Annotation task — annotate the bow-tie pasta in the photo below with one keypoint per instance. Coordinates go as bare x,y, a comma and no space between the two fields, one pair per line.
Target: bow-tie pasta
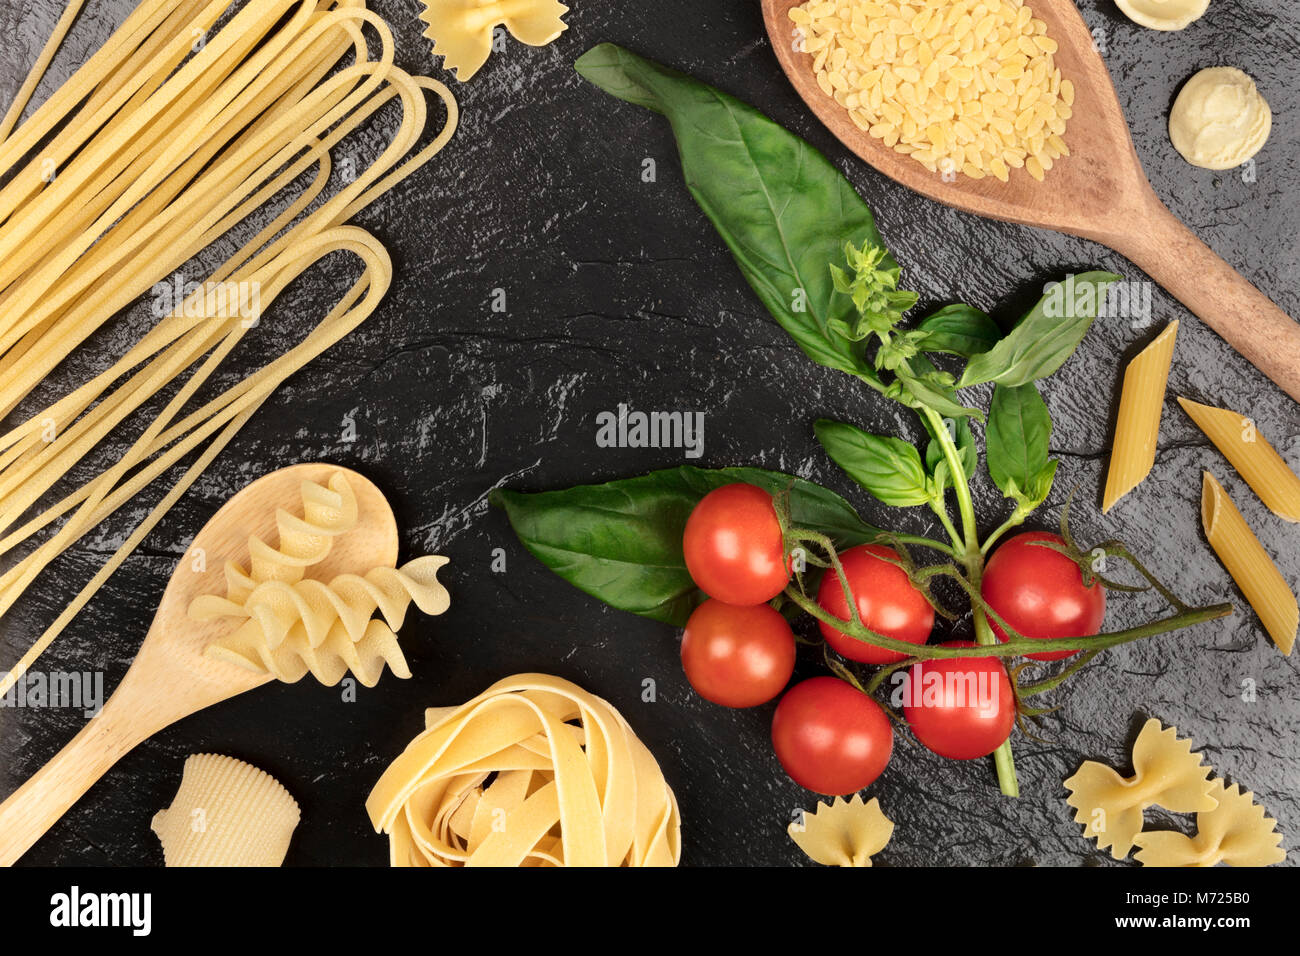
1165,773
462,30
843,832
1236,832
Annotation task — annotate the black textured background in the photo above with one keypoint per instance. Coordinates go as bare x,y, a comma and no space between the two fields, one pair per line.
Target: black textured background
619,291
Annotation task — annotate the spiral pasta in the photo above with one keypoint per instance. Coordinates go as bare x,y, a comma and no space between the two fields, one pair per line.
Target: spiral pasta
226,813
292,629
303,541
534,771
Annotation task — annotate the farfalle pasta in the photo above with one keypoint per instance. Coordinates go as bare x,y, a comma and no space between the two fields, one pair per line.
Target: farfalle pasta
290,630
461,30
843,832
1237,833
1165,773
534,771
226,813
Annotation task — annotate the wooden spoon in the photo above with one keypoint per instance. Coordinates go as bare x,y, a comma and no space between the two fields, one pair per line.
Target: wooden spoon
170,677
1098,192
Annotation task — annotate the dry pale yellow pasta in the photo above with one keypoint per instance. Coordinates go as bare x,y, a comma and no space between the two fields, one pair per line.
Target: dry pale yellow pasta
1165,773
843,832
960,87
461,30
157,149
291,629
1249,564
226,813
534,771
1237,833
1137,429
1249,452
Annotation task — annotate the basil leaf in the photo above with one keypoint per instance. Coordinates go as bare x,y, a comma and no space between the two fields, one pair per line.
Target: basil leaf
621,541
783,210
890,469
959,330
1016,440
935,397
965,441
1042,341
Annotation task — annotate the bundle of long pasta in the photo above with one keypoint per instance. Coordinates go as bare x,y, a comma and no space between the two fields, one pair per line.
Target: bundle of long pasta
178,136
534,771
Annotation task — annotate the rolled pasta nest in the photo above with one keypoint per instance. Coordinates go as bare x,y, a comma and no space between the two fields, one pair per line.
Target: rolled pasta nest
534,771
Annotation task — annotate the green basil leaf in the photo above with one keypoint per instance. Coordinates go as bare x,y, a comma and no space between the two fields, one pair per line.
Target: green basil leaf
965,441
890,469
938,398
783,210
1042,485
959,330
621,541
1016,440
1042,341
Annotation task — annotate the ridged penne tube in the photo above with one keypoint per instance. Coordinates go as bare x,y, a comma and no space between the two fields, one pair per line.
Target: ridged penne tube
226,813
1249,564
534,771
1237,437
1137,428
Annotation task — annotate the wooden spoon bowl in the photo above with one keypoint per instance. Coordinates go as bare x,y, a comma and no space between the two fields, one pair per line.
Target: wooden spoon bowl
1098,192
171,677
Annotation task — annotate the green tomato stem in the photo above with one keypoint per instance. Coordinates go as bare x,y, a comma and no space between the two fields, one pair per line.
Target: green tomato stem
1003,760
1017,518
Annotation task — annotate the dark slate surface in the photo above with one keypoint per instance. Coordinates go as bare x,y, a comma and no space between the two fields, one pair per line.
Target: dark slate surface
618,291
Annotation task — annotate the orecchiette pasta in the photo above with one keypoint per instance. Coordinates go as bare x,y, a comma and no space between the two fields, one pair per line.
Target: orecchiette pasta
534,771
226,813
843,832
291,629
1165,773
1236,832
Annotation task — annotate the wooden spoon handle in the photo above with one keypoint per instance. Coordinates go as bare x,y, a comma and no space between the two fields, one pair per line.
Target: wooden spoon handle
1247,319
38,804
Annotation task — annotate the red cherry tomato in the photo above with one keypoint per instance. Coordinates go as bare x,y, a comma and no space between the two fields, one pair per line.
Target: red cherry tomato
830,737
733,546
737,656
887,603
960,707
1040,592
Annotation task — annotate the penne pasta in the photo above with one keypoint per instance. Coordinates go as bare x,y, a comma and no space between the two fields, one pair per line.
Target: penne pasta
1249,564
1138,425
1249,452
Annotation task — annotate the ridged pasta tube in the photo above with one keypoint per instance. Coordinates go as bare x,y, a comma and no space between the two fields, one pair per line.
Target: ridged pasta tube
226,813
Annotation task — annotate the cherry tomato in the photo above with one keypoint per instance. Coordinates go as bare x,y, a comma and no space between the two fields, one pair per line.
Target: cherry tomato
733,546
960,707
1040,592
887,603
737,656
830,737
